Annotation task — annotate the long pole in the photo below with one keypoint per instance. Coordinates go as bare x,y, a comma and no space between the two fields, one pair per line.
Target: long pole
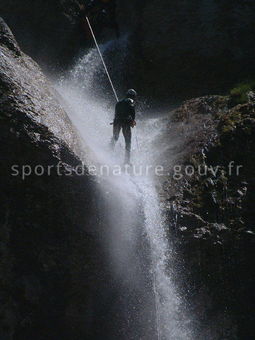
102,59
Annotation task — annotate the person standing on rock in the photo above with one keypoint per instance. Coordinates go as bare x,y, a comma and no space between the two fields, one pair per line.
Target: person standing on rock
125,120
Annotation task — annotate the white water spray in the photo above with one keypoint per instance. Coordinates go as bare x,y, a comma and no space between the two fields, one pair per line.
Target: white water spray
131,222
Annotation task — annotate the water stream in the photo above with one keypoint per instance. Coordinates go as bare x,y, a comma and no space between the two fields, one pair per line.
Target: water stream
138,250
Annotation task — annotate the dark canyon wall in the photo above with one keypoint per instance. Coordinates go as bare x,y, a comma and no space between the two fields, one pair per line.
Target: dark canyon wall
177,48
194,47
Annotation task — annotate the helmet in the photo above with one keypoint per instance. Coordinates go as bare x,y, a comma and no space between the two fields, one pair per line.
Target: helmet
131,94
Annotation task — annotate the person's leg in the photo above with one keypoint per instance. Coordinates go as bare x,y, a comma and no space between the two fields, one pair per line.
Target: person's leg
127,135
116,133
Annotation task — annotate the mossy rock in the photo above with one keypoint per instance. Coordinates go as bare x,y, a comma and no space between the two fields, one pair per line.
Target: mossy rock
239,94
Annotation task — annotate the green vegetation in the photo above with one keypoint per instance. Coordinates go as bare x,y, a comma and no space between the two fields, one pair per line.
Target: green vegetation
239,93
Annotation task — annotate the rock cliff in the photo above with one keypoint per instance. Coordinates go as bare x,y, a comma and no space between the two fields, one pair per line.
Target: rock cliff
48,271
210,197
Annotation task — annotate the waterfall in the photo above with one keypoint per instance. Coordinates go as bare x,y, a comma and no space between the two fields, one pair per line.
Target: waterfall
137,247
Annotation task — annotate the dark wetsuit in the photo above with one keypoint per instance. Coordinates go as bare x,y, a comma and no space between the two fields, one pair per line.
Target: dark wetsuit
124,116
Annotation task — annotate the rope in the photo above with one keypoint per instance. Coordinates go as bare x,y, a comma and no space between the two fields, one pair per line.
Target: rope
105,67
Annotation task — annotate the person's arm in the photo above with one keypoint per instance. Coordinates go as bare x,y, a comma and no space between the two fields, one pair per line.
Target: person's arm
132,113
132,110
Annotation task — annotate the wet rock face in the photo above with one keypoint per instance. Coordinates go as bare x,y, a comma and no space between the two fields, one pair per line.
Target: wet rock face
50,254
219,141
211,212
7,39
25,88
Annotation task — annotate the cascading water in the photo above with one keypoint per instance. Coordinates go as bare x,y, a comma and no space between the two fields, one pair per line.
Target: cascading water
139,253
